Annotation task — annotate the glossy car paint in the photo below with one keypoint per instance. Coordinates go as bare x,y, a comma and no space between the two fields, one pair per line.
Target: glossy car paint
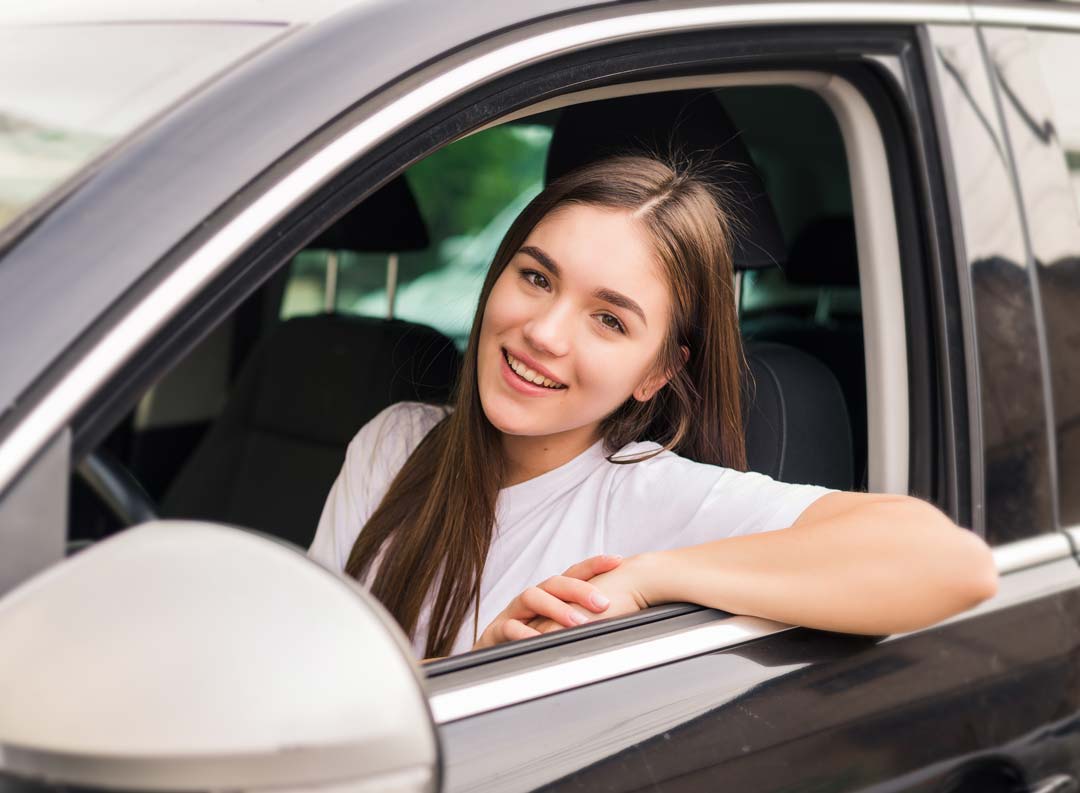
808,710
1011,415
1053,229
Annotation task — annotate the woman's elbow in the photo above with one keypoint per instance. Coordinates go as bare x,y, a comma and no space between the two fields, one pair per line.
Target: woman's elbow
979,578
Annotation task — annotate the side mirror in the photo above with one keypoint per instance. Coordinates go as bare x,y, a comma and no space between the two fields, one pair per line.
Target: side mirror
186,656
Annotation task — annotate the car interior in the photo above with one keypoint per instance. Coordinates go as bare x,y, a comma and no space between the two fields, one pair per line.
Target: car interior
251,427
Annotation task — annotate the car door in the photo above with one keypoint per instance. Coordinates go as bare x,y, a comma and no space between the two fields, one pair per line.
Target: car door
987,700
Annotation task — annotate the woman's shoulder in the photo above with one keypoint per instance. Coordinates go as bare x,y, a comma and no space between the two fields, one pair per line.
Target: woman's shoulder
408,422
382,445
650,460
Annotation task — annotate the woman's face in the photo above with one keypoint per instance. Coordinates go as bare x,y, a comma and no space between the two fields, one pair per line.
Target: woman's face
584,304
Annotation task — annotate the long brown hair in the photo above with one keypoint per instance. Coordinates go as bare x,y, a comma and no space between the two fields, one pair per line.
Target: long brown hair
437,517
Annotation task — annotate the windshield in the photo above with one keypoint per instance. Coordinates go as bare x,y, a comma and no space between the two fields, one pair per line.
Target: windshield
68,93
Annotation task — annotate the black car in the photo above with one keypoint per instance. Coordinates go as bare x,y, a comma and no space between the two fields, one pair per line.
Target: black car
231,234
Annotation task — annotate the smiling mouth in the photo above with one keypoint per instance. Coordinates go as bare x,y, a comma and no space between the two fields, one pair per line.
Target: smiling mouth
528,375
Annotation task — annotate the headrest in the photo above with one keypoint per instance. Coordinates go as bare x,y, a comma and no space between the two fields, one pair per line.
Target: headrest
797,427
685,124
321,377
387,221
824,254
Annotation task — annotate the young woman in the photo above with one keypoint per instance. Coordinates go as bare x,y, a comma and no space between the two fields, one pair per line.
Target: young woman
596,432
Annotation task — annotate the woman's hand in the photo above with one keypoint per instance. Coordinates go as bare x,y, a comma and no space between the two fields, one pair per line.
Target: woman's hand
622,587
565,600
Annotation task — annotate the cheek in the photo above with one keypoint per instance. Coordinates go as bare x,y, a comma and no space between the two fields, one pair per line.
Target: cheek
504,308
612,370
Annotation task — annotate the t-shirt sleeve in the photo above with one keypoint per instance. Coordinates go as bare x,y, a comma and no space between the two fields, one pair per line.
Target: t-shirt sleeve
672,502
372,460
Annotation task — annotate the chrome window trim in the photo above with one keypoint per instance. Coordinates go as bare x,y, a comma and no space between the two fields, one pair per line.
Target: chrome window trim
508,53
565,674
585,668
1022,554
1073,533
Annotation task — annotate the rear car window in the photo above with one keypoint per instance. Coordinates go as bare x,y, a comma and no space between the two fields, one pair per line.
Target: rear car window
468,194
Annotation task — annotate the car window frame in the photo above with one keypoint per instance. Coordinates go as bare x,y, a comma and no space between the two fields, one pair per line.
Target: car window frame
263,255
442,668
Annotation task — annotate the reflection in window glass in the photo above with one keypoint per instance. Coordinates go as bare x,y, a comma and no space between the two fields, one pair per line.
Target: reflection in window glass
468,193
69,92
1059,55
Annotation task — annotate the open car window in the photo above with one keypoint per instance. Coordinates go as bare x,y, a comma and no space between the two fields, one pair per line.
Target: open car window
468,193
286,407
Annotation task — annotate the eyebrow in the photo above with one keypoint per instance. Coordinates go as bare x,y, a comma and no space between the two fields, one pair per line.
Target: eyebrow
607,295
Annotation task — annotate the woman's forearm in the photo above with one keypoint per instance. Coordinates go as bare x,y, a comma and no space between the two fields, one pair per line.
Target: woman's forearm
853,563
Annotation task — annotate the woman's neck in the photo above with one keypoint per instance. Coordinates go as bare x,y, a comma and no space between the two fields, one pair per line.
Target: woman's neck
528,456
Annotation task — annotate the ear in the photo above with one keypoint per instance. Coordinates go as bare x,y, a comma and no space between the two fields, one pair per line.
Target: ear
652,385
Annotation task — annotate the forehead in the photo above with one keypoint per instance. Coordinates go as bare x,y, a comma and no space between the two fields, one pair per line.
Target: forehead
601,247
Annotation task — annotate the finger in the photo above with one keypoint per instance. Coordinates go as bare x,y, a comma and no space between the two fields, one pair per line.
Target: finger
544,625
515,629
593,566
573,590
536,602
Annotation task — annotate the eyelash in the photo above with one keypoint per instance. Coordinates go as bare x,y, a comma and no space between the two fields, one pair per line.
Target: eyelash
528,275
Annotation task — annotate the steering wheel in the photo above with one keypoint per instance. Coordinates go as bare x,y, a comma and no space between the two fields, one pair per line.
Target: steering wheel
117,487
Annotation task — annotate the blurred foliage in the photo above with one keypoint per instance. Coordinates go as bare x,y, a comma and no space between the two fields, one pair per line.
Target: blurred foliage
460,189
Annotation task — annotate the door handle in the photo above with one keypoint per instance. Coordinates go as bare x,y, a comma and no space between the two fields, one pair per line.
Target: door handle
1059,783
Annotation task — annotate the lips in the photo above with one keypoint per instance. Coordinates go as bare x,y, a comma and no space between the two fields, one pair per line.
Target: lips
531,372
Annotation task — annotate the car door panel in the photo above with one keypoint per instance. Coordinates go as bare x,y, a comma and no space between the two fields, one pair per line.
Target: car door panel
1034,73
829,711
1010,419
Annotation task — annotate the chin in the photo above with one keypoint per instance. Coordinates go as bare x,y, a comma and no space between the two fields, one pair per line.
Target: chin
511,419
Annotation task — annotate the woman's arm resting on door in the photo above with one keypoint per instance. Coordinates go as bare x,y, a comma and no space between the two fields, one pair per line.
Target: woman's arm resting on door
851,562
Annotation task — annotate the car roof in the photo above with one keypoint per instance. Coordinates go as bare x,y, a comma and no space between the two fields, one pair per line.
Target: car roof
277,12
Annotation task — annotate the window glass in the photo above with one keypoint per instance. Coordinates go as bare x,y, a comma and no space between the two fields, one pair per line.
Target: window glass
468,193
807,179
1059,56
59,113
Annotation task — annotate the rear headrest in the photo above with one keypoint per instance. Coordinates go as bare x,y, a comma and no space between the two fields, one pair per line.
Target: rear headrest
387,221
690,124
824,254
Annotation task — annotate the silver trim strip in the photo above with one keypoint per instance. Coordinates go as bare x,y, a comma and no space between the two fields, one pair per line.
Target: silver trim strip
60,404
562,675
1026,16
1074,534
1022,554
512,689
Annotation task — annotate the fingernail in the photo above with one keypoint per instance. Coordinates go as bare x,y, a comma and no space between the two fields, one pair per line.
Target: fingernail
599,601
617,557
578,617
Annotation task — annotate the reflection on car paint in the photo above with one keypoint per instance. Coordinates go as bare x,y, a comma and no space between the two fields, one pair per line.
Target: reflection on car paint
1036,141
1018,500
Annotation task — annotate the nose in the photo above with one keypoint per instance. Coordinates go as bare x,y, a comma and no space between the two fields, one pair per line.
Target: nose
549,331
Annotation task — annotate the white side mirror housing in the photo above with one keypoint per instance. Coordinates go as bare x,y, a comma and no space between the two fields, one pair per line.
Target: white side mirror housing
189,656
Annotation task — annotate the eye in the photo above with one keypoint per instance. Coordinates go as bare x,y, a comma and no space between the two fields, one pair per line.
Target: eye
612,322
535,278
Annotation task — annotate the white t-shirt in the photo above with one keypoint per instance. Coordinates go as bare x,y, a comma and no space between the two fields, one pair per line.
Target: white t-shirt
586,507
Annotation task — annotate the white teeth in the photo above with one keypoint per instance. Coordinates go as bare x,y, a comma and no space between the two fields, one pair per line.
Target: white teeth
528,374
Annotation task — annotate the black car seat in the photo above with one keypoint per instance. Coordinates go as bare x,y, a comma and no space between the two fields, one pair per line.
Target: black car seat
308,385
796,417
824,256
688,125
